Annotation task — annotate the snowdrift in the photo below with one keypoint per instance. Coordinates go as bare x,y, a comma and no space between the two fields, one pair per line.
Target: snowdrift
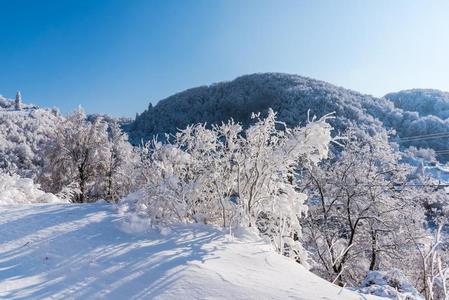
66,251
17,190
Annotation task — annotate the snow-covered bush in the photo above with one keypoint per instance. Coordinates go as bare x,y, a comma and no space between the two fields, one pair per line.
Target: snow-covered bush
389,284
234,177
17,190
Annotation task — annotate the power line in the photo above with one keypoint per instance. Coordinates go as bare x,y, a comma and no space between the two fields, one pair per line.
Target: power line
424,135
442,151
421,138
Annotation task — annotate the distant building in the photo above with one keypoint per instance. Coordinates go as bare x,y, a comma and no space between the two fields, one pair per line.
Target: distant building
18,101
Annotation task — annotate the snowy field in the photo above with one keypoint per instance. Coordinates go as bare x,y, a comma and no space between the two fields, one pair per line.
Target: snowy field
67,251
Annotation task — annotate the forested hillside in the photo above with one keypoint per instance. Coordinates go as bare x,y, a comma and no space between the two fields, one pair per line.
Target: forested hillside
426,102
292,96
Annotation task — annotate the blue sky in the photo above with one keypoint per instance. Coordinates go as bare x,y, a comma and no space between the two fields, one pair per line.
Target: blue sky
117,56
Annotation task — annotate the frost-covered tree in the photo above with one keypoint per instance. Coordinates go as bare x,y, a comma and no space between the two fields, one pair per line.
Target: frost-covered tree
431,272
361,205
76,156
434,267
120,164
88,160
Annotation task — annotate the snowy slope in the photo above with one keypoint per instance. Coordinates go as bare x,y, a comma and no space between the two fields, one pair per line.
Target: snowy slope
67,251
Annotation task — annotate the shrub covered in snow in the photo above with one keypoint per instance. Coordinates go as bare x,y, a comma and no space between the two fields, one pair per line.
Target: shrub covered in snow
390,284
17,190
234,177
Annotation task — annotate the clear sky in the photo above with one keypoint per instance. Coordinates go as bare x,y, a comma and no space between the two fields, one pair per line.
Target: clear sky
117,56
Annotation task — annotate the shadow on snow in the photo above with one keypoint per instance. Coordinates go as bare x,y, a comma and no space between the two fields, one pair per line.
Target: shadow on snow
80,251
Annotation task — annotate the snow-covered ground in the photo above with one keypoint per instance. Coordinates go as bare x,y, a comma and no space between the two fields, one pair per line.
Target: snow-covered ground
67,251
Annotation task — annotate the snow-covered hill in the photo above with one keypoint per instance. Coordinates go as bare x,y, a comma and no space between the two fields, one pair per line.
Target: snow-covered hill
68,251
292,96
426,102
